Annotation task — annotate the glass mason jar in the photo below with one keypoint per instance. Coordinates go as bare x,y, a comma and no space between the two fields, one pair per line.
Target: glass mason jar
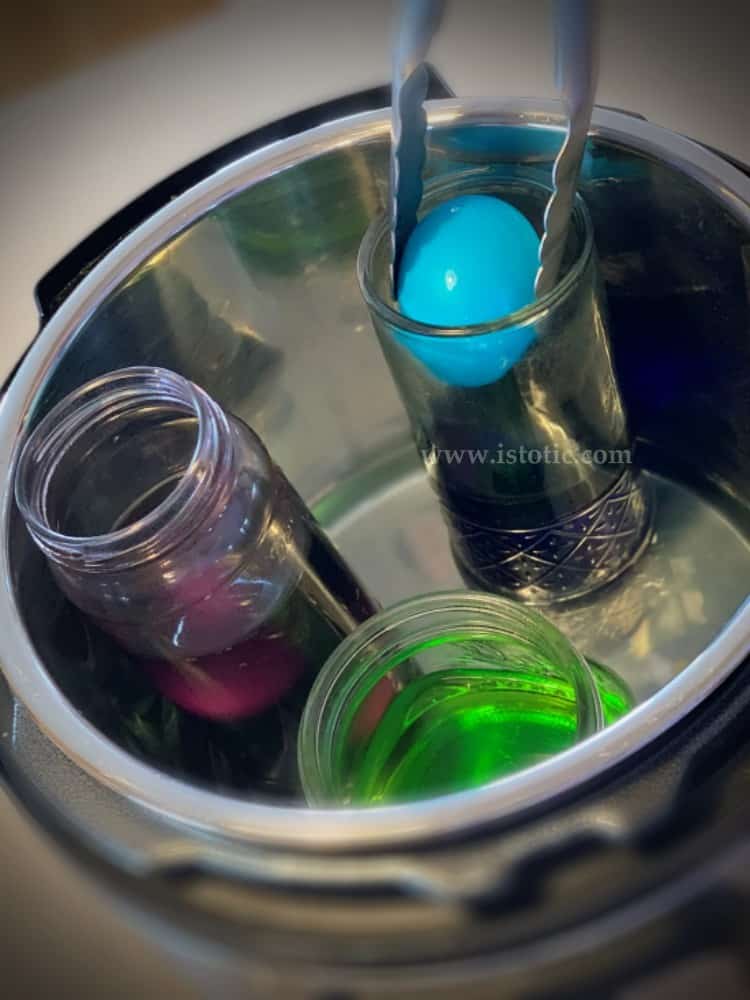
164,519
443,693
519,421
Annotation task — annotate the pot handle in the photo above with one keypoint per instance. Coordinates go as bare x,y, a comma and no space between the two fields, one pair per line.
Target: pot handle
55,286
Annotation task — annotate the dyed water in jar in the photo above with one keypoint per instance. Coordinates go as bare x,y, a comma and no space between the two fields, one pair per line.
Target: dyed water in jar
458,728
165,522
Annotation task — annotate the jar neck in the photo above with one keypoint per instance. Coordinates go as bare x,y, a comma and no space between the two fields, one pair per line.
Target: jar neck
63,446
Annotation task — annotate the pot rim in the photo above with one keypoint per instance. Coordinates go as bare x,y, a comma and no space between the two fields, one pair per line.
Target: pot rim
299,827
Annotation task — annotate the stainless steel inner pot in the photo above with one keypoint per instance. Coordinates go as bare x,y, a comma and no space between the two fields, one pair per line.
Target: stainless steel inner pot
246,284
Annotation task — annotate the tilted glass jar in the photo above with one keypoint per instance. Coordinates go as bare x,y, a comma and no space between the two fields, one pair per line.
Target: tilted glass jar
164,519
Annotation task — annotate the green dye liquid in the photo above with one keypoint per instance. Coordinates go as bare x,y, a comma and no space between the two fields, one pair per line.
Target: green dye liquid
457,728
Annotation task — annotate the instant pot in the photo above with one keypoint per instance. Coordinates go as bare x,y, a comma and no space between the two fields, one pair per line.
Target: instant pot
619,867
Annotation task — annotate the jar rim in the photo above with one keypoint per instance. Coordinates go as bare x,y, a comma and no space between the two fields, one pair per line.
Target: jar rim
75,414
333,690
478,180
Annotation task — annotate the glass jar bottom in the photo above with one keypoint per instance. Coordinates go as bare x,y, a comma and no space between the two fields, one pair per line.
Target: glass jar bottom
559,560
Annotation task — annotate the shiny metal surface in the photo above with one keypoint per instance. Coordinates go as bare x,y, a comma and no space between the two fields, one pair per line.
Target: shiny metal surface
246,284
648,625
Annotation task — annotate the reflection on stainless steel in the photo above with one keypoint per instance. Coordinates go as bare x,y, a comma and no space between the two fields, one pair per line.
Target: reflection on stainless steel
670,251
232,350
648,625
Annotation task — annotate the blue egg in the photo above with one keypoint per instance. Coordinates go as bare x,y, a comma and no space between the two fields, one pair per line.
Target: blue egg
471,260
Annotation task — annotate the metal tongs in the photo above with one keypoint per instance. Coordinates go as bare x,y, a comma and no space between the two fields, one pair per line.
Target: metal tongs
576,71
419,22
